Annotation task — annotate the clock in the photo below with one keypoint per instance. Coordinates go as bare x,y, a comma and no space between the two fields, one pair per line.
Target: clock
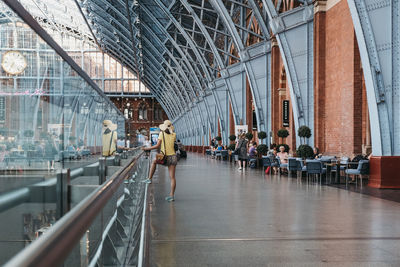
14,62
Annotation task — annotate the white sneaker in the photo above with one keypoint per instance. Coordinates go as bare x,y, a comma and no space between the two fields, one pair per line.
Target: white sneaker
240,168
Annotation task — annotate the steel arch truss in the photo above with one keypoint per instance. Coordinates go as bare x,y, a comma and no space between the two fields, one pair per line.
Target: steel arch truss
197,56
377,28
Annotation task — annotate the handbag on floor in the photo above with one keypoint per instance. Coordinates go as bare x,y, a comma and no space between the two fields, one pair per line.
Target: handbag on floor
161,158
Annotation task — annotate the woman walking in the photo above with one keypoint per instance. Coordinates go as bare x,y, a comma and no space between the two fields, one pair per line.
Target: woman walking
241,147
166,141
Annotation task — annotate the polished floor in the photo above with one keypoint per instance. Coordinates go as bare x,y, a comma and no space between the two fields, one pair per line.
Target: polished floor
226,217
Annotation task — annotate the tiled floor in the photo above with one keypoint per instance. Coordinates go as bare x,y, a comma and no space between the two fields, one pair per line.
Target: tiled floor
226,217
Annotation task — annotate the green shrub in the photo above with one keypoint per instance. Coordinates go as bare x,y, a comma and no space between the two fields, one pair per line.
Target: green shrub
262,135
218,138
262,149
304,132
72,138
232,137
287,148
232,147
305,151
283,133
249,136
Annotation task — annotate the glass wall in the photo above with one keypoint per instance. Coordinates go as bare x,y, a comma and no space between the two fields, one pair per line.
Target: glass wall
73,35
49,115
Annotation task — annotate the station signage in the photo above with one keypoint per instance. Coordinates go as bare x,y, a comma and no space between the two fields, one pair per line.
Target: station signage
285,113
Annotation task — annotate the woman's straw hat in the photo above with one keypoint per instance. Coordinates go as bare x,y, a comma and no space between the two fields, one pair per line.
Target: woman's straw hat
167,125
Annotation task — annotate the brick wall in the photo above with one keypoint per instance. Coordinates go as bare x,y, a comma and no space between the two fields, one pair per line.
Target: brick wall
342,130
319,78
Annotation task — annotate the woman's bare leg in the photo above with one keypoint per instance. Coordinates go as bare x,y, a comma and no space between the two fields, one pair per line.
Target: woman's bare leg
152,169
171,170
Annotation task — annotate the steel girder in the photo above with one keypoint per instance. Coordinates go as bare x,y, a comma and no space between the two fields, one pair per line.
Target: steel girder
377,28
194,48
294,32
176,58
244,57
177,64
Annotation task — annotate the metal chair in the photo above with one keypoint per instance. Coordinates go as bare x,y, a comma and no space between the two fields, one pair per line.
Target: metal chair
281,165
300,167
218,154
315,168
362,169
266,161
224,154
269,162
292,165
343,163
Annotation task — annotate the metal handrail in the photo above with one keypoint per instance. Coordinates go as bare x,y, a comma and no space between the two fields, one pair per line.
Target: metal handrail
53,247
18,196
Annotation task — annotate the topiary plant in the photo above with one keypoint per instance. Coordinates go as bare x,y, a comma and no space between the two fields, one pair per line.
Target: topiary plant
304,151
304,132
218,138
262,149
232,137
232,147
72,138
249,136
287,148
283,133
262,135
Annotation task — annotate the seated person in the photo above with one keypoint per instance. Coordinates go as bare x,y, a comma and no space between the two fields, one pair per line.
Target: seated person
283,155
316,154
220,148
253,151
70,148
272,150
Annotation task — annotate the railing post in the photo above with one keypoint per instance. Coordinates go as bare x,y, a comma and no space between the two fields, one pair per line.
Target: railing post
117,160
102,170
62,189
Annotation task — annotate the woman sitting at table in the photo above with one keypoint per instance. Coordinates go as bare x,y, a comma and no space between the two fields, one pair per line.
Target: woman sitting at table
283,155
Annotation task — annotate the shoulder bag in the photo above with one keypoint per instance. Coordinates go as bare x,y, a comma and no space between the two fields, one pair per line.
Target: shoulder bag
161,158
237,150
111,140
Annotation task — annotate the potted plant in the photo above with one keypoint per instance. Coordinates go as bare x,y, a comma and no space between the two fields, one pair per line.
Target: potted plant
304,132
304,151
283,133
249,136
262,150
232,138
262,135
231,147
218,138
